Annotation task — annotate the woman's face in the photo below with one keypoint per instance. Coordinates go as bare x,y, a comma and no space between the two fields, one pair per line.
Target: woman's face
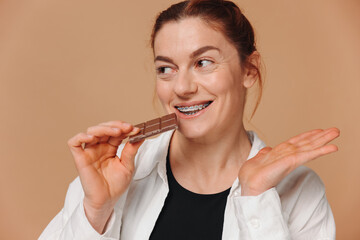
199,77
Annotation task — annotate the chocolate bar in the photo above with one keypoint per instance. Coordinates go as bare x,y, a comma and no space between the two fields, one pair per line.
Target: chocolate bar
154,126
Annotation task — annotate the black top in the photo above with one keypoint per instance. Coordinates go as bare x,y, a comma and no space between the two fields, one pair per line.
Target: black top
188,215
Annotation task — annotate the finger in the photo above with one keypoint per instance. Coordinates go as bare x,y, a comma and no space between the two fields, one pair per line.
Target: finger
104,139
116,141
104,131
128,154
124,126
116,124
264,150
120,124
302,136
330,133
75,143
135,131
92,143
307,156
319,140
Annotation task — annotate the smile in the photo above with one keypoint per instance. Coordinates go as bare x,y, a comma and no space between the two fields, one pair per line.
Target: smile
191,110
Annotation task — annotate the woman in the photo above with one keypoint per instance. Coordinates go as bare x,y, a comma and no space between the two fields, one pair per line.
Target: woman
210,179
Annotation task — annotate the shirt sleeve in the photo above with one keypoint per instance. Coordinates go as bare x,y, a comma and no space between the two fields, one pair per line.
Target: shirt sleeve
261,216
72,223
296,209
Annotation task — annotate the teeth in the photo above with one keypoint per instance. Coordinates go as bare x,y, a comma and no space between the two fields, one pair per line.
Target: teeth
192,109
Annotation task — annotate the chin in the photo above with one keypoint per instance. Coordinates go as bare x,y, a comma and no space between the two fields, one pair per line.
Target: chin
193,132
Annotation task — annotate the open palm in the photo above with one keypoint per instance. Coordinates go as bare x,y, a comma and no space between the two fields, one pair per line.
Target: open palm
271,165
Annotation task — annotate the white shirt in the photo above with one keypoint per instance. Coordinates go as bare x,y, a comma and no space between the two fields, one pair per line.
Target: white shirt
296,209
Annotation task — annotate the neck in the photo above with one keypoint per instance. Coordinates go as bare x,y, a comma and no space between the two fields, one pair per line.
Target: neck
196,164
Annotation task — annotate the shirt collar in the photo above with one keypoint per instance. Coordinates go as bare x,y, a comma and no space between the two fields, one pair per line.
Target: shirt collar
153,153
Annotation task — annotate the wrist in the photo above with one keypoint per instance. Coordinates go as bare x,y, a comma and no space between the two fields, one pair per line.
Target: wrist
98,217
247,190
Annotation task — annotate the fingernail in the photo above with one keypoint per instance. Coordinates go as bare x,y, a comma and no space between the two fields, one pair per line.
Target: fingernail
116,129
126,125
134,131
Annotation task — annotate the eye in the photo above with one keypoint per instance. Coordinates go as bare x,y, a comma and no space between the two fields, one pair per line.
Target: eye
203,63
164,70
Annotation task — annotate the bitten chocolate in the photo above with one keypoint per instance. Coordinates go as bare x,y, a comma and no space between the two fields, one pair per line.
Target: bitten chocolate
154,126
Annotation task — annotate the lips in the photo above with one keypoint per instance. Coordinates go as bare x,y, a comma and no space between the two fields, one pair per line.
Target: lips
192,109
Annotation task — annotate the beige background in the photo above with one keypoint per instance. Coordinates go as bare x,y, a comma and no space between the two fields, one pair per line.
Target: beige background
67,65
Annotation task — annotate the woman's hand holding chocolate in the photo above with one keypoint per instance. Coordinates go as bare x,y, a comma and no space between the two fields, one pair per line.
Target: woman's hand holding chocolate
103,175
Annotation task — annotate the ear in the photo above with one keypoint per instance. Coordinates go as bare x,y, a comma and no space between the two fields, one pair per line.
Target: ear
251,70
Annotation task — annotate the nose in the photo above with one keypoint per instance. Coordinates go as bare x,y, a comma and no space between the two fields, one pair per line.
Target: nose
185,84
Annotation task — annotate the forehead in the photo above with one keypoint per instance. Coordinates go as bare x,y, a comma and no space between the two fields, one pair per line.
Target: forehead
187,35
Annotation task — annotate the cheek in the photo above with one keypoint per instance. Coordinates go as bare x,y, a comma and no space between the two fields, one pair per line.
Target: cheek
163,91
220,84
228,88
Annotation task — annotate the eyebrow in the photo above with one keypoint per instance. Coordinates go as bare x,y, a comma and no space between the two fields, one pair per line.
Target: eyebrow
164,59
192,55
202,50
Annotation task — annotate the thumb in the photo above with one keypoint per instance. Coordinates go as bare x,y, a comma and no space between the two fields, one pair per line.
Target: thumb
128,154
264,150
